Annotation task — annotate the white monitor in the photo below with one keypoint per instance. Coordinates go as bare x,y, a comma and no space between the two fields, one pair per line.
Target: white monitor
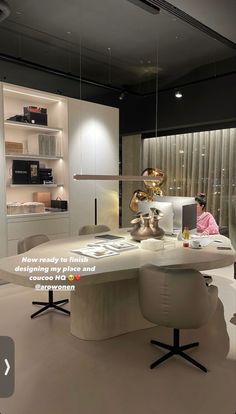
165,222
178,203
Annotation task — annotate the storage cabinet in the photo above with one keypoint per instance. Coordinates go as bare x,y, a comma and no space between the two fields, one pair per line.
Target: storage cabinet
54,225
93,149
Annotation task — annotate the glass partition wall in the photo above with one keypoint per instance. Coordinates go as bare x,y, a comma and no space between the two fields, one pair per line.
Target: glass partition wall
121,55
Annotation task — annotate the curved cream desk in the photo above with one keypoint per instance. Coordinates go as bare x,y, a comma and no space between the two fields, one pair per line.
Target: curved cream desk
105,303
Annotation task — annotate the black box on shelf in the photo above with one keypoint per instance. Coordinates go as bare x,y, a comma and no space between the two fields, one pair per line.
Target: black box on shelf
20,172
36,115
61,204
25,172
45,174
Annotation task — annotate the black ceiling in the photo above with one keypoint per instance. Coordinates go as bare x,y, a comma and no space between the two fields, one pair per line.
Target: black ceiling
113,42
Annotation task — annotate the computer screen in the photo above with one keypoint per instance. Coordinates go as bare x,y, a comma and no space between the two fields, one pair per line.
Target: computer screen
165,222
189,217
178,203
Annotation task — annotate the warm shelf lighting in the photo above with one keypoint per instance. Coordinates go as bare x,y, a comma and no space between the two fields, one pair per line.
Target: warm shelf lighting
83,177
16,124
45,98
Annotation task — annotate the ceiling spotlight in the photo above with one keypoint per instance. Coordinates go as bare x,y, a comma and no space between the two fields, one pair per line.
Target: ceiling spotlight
122,95
178,94
4,10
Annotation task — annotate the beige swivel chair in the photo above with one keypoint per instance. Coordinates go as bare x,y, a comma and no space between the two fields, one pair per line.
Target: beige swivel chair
23,246
179,299
93,228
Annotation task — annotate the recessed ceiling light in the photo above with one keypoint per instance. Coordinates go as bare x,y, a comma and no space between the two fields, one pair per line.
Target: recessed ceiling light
69,33
121,96
178,94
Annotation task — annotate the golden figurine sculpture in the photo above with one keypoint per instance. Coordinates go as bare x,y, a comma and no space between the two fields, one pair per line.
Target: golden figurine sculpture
153,188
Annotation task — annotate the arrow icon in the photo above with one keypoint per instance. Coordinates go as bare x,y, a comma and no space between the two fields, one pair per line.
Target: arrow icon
8,366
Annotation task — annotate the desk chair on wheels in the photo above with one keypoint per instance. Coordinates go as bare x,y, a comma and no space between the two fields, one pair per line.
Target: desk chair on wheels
23,246
179,299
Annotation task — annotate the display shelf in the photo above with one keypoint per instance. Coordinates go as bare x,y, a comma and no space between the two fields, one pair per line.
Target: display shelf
36,97
34,215
34,127
33,157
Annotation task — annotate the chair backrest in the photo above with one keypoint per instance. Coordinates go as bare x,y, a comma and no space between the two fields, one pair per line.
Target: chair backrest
177,298
92,229
28,243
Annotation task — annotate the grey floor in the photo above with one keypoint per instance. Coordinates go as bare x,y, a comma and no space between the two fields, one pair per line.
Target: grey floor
57,373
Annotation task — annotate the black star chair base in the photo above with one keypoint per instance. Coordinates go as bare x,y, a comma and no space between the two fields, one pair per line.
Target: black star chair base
27,244
176,349
179,299
50,304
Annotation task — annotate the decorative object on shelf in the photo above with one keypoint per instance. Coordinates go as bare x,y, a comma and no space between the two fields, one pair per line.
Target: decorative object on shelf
15,208
32,115
45,176
25,172
17,118
35,115
153,178
59,204
146,226
13,147
25,208
44,144
42,197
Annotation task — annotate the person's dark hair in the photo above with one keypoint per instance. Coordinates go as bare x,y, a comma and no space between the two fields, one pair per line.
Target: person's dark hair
201,199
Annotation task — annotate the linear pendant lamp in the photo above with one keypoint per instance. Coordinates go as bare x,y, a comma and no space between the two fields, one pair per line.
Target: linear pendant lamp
83,177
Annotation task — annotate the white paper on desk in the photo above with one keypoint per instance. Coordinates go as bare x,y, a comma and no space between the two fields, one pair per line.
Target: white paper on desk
120,246
93,252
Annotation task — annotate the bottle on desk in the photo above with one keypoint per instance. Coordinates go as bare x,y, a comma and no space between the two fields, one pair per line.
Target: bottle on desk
186,237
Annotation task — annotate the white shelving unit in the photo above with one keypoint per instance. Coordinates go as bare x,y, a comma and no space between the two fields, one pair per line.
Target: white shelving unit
55,225
89,136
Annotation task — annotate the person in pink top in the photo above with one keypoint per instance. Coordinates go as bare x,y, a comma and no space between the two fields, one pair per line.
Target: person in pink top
206,223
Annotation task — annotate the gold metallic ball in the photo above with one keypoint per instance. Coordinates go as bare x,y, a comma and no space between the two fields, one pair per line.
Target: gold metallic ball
154,185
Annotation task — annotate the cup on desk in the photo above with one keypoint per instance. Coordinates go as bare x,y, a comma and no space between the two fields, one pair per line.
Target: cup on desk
195,244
